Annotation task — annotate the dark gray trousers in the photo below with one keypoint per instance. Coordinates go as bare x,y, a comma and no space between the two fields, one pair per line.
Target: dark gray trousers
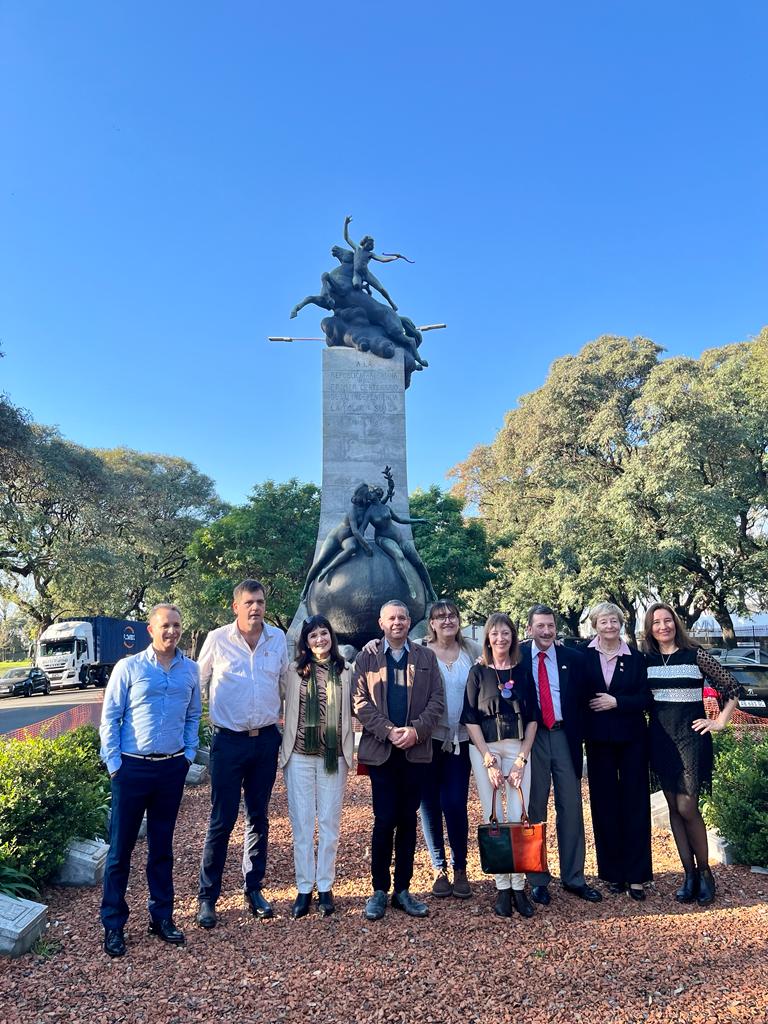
551,763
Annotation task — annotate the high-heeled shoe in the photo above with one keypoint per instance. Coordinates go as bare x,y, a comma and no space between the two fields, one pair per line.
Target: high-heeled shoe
689,890
636,893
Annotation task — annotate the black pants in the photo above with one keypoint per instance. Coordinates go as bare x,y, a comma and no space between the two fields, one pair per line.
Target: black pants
154,788
247,764
396,794
619,796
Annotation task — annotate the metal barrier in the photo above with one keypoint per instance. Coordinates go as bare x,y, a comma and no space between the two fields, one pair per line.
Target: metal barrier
65,721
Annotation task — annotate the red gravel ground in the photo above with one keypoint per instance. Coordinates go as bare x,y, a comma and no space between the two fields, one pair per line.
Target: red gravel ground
613,962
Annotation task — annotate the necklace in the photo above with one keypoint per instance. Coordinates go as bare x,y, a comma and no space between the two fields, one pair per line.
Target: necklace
665,657
505,689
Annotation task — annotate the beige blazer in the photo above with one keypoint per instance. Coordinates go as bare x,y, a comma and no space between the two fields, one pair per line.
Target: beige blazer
290,688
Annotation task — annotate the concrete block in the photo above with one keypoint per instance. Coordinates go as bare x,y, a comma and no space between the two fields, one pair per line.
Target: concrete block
757,870
659,810
22,922
197,774
203,756
720,850
84,864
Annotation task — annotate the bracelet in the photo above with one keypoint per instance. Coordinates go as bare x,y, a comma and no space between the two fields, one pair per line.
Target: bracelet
489,763
521,758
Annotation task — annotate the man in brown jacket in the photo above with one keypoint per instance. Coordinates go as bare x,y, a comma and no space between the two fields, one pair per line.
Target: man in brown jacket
398,699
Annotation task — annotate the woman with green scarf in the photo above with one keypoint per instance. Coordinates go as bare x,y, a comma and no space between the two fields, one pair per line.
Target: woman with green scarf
316,754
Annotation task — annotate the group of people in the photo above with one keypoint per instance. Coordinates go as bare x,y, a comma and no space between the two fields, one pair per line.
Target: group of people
516,715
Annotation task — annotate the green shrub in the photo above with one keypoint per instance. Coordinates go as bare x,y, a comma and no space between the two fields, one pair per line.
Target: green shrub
51,792
205,729
15,883
738,806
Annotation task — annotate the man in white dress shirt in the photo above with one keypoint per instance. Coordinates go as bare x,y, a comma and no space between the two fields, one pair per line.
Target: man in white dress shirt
240,669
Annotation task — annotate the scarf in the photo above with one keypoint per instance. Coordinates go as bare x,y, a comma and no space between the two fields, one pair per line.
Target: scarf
312,738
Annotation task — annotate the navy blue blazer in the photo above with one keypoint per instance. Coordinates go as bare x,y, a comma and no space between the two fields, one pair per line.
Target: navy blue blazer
625,722
570,669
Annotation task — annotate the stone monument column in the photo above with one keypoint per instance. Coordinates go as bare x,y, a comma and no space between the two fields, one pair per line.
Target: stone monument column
363,431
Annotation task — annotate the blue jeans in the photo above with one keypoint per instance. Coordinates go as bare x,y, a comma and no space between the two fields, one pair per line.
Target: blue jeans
155,787
445,794
247,764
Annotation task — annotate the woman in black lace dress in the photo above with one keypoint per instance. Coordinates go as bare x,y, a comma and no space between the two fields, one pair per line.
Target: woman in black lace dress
680,740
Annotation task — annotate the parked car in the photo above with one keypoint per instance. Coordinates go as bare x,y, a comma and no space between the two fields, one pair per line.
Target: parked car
753,655
23,682
753,683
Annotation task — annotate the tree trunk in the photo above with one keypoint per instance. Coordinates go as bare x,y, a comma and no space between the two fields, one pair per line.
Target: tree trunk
572,618
723,617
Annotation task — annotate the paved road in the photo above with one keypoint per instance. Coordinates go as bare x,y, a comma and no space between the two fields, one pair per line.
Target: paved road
16,712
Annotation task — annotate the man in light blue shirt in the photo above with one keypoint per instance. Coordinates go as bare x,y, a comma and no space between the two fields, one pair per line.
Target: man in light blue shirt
149,737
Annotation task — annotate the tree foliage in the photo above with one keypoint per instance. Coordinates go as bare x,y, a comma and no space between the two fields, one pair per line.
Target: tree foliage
624,476
454,548
94,532
271,538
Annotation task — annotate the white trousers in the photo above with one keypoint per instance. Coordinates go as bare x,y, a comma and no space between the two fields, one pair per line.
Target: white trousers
314,795
506,751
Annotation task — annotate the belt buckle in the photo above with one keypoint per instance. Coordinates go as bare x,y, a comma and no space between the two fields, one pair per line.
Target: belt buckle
254,732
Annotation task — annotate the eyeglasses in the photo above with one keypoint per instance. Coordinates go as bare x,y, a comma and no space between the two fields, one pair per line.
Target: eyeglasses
445,618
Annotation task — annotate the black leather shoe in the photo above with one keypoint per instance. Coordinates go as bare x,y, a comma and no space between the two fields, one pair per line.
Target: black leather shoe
114,942
522,903
540,894
167,931
706,887
689,890
584,892
412,907
376,906
616,887
301,905
326,904
503,905
637,894
257,905
206,914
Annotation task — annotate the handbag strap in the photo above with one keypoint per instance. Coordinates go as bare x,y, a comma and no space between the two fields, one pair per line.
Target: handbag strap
524,815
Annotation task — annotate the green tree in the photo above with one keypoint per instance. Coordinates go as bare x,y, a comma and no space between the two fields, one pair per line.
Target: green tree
544,486
50,510
454,547
271,538
152,507
623,477
697,491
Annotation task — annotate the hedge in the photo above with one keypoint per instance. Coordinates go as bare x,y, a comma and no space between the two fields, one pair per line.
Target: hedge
51,792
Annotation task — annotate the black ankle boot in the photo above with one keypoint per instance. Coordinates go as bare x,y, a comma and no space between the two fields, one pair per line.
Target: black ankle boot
689,890
522,903
706,887
301,905
503,905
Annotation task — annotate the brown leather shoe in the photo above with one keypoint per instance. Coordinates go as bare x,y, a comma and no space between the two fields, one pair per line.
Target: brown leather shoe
441,885
461,887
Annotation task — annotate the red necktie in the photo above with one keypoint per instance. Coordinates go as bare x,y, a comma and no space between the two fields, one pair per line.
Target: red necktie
545,694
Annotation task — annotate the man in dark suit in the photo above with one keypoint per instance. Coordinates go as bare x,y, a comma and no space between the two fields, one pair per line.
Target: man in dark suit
556,756
398,699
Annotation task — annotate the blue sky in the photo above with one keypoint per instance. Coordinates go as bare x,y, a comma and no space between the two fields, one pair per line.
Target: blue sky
174,174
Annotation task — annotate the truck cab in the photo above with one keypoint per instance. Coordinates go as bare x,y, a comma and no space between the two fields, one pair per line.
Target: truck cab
65,652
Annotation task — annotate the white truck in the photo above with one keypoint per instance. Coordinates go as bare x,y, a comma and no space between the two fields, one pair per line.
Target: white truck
84,651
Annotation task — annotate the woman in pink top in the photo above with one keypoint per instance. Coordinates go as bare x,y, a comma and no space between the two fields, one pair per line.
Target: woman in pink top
617,754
